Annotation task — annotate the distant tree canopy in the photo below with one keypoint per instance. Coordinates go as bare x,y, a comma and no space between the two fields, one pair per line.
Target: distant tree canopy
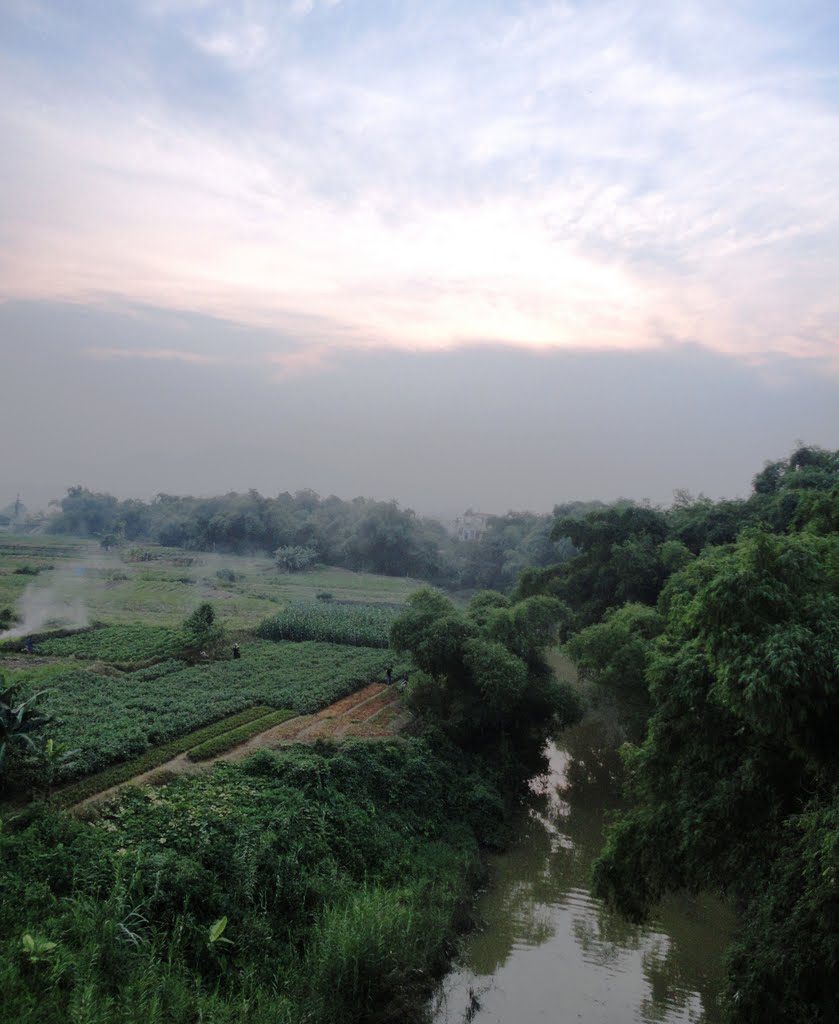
361,534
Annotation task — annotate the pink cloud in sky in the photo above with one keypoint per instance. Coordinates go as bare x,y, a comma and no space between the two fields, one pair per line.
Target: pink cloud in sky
585,196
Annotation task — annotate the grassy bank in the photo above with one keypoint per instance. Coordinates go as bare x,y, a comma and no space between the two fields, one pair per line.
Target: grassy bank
341,872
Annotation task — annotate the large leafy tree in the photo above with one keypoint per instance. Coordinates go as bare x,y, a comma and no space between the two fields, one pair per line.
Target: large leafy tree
613,653
482,674
619,559
736,786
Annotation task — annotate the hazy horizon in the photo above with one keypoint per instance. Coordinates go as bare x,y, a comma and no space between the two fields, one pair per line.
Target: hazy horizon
492,428
492,255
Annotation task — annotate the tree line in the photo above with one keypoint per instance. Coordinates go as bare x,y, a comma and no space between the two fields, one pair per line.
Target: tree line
303,528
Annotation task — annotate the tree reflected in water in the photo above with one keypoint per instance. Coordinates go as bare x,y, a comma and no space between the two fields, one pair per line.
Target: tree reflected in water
538,903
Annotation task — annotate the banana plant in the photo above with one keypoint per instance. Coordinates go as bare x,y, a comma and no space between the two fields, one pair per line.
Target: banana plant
214,933
19,722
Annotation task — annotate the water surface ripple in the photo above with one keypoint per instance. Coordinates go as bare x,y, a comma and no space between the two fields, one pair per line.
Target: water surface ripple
548,951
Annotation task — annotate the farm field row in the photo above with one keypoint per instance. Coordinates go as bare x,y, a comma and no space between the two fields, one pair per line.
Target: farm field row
373,712
113,716
89,786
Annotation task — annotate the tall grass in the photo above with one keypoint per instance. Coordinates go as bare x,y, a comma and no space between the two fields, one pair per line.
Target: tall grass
368,955
358,625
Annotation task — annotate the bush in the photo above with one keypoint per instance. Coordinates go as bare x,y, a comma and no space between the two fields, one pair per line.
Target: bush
294,558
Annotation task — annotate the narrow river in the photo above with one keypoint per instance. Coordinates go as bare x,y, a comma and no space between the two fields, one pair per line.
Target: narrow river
548,951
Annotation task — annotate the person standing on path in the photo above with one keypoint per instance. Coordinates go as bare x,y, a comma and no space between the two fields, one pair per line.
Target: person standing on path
389,675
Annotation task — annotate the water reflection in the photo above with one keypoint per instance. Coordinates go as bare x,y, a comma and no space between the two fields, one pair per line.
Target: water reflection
548,951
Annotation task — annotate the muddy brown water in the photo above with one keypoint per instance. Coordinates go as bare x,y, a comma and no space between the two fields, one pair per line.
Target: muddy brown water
548,951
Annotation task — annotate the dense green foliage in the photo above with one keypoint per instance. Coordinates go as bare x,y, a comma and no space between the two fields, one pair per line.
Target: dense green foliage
136,710
613,653
736,786
359,625
333,877
482,675
626,552
227,740
118,645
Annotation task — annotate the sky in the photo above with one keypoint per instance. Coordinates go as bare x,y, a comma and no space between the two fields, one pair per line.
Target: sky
492,255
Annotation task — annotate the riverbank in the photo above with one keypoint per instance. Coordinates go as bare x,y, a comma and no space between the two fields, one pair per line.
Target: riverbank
342,875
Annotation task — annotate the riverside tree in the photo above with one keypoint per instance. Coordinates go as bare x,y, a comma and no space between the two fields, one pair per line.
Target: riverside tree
736,786
483,676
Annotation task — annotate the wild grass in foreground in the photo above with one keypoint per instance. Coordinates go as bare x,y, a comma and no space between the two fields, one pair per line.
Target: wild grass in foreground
312,885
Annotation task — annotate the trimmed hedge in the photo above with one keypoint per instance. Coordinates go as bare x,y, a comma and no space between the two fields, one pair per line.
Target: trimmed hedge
93,784
228,740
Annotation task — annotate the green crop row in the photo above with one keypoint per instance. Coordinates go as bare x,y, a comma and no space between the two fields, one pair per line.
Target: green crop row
110,718
113,776
228,740
117,644
358,625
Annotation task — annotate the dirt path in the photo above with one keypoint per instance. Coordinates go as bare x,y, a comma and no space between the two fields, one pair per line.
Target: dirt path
375,712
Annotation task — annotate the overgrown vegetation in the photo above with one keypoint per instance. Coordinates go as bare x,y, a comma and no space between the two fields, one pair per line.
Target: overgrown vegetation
339,873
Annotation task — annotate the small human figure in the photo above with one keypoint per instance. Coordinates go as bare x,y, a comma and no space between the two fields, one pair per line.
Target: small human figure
403,682
389,675
29,645
236,652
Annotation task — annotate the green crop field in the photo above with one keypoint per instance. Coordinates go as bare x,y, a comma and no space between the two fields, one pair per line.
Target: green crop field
73,582
117,644
360,625
117,716
117,691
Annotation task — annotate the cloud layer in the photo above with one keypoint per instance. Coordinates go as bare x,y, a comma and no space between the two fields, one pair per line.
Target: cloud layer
615,175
